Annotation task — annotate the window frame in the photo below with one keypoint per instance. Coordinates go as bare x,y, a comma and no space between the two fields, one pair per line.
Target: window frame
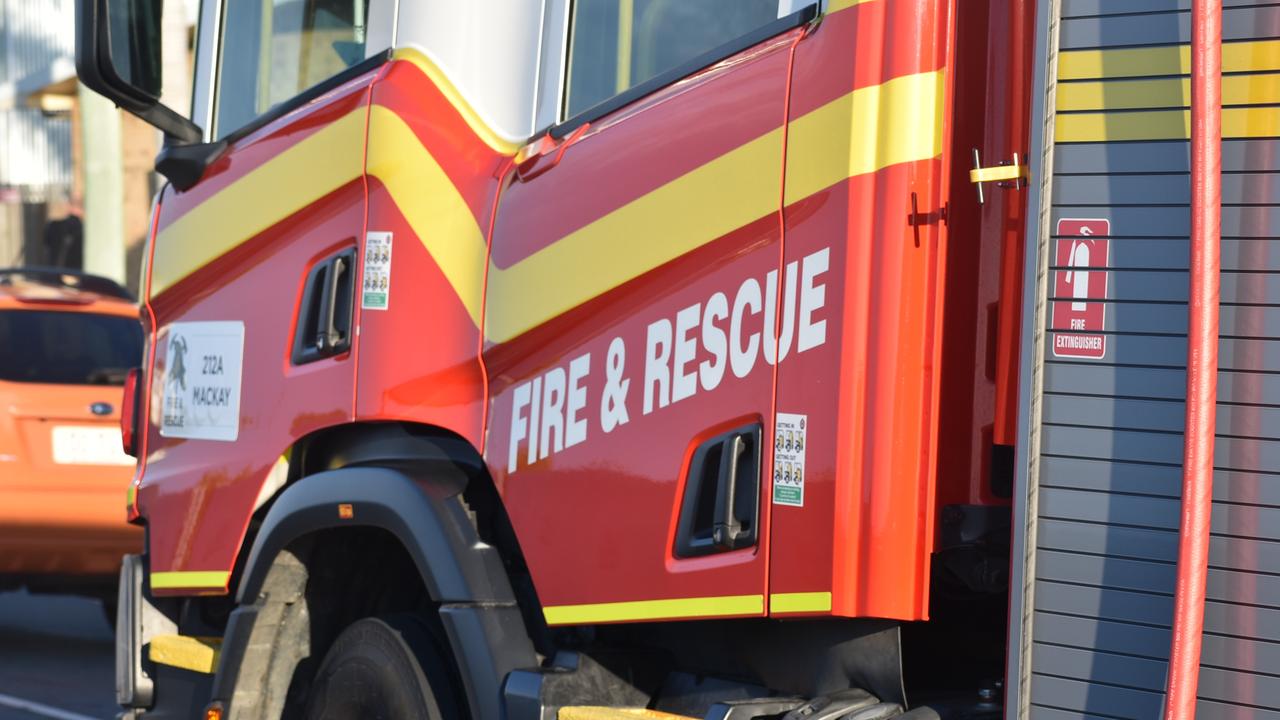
379,31
566,126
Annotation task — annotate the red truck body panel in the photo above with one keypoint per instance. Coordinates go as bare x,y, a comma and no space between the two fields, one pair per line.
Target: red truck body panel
769,235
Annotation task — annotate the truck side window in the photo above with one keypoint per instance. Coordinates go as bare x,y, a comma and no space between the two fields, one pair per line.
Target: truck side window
273,50
617,44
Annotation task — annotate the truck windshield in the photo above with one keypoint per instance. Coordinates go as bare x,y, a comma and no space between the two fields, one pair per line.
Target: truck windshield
67,348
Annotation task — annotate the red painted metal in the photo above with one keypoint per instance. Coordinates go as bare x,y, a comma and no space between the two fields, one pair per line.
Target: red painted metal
197,502
606,508
619,491
870,393
1202,357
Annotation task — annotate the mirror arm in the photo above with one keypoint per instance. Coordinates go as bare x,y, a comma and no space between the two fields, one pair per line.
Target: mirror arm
184,164
176,128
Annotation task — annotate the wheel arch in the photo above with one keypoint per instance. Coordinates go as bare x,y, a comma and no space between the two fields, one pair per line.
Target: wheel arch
422,485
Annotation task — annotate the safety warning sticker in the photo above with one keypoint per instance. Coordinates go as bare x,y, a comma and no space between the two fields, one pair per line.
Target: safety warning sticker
376,287
1079,312
788,460
201,393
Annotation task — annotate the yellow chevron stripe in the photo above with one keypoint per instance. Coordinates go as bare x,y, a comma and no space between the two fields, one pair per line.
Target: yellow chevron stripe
203,579
683,215
269,193
1252,56
730,605
483,130
869,129
864,131
1163,93
1162,125
431,204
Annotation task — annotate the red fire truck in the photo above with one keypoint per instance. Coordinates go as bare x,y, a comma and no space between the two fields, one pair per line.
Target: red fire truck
645,358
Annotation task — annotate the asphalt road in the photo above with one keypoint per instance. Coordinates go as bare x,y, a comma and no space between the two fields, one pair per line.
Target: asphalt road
56,659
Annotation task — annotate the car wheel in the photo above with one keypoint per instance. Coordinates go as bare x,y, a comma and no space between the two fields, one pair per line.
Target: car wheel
393,668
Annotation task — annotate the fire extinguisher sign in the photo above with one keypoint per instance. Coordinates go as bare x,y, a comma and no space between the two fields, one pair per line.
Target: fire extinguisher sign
1078,315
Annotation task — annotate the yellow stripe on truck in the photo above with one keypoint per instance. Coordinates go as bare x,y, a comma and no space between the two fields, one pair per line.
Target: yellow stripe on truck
290,181
196,579
1161,125
662,225
867,130
419,58
1253,56
862,132
1163,93
724,606
431,204
805,602
1136,94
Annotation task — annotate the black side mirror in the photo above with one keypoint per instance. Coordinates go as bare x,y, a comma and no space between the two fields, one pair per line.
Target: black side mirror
118,57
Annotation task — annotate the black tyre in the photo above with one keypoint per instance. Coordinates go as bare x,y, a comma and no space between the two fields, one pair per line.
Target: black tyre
389,668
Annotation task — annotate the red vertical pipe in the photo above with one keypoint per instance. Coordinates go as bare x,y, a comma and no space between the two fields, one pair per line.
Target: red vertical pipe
1202,357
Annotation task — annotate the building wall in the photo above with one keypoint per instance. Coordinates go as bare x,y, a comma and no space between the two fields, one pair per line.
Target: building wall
35,150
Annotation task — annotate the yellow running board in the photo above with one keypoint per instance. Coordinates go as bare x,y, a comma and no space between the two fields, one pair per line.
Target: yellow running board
189,653
597,712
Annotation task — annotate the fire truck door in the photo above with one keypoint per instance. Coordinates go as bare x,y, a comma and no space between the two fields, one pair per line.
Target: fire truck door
251,284
993,52
629,316
857,387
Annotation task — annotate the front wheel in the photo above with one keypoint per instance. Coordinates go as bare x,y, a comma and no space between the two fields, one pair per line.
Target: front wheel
392,668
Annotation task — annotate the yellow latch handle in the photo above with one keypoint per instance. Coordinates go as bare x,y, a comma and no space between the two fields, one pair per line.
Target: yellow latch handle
999,173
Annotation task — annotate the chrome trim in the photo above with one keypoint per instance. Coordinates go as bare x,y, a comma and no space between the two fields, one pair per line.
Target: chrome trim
552,63
208,31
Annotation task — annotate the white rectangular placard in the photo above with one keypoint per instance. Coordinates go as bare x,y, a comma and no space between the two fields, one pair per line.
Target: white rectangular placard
201,394
375,287
788,459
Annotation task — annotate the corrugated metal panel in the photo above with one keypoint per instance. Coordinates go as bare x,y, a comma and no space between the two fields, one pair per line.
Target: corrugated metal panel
35,150
1108,470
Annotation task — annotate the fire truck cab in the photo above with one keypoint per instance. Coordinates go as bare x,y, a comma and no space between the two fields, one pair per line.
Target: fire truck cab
516,358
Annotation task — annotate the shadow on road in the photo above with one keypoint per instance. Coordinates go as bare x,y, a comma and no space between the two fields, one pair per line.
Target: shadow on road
56,651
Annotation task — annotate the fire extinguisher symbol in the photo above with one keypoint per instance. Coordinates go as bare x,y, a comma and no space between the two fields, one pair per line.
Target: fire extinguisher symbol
1078,275
1080,289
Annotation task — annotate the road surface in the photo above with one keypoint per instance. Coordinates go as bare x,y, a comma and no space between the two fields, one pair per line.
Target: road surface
56,659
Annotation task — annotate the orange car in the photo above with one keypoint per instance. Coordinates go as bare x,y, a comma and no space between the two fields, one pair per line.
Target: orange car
67,343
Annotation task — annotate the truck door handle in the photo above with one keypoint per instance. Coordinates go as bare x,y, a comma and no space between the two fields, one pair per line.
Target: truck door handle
720,507
324,317
331,336
728,528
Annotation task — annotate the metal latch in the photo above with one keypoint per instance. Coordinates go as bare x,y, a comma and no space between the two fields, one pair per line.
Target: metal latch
1007,174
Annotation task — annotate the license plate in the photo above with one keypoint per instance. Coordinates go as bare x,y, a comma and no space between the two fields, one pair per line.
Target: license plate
76,445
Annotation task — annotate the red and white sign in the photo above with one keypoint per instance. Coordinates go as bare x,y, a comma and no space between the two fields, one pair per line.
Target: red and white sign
1078,315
